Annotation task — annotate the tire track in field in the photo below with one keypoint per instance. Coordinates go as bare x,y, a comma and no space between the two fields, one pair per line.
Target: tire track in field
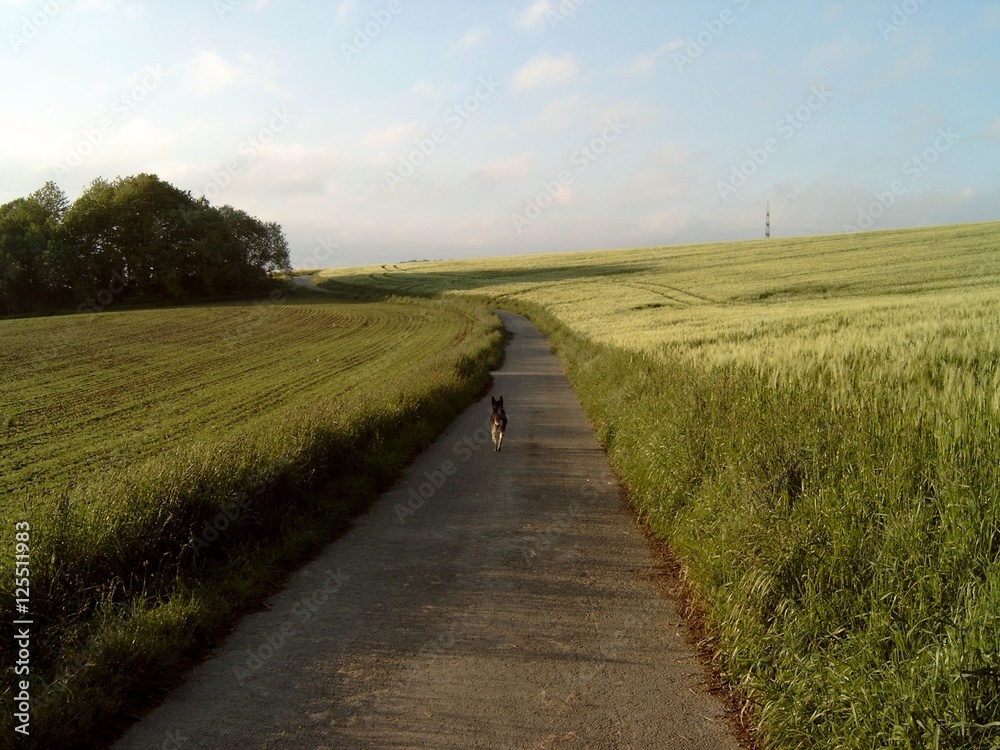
679,296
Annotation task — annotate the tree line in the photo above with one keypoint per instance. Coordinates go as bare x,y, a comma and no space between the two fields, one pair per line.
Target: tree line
137,238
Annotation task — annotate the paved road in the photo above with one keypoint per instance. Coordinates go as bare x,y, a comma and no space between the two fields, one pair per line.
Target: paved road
488,601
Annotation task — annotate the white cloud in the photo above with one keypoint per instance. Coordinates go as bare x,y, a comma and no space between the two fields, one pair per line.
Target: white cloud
534,17
473,37
209,73
545,70
423,88
644,64
344,10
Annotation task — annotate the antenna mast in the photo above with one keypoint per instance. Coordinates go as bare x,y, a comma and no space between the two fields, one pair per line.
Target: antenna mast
767,225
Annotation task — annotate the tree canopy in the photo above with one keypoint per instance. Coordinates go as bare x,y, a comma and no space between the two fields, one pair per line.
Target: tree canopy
137,238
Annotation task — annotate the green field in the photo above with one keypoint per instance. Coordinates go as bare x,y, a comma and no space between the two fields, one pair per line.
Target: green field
172,463
85,395
814,426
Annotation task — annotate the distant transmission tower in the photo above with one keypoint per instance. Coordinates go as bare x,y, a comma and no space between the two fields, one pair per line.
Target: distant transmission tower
767,225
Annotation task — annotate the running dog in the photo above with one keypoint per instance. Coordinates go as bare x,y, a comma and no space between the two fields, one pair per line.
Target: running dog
498,422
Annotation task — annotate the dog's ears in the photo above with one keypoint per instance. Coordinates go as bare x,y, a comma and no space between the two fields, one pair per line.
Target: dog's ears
497,402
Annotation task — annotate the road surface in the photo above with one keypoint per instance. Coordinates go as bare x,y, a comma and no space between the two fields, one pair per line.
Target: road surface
489,600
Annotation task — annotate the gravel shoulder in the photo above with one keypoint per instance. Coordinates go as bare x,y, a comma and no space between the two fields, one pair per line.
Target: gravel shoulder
489,600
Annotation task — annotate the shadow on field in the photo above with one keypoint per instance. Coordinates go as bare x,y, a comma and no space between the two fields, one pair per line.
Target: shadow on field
412,282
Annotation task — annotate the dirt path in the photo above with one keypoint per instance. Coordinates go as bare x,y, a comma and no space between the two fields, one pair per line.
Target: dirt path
488,601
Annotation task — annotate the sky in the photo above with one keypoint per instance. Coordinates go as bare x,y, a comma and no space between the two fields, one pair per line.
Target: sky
379,131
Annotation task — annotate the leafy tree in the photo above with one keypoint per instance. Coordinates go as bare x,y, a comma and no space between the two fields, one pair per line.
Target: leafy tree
89,235
261,247
30,249
138,236
53,200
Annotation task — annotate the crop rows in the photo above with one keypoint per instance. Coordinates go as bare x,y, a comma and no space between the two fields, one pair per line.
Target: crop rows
136,383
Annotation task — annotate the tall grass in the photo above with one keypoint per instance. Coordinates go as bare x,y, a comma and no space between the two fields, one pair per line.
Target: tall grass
848,560
136,571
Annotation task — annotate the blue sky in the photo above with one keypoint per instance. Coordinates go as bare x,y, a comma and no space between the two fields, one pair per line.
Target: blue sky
386,130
